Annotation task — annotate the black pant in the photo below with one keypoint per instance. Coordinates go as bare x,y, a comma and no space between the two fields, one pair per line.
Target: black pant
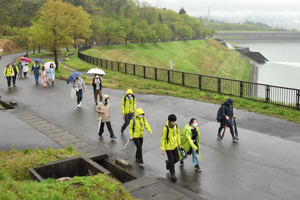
14,79
108,127
138,143
8,78
25,73
173,158
222,124
128,117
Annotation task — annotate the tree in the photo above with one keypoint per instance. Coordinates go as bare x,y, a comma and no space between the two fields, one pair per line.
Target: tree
183,30
144,32
80,23
181,11
162,31
56,24
111,28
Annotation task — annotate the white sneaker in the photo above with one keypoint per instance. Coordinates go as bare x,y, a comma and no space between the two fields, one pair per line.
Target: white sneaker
79,105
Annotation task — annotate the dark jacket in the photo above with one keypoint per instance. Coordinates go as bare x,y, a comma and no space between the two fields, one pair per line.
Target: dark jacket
94,85
226,110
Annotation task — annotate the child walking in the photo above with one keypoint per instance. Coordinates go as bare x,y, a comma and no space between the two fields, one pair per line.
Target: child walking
103,109
136,132
43,76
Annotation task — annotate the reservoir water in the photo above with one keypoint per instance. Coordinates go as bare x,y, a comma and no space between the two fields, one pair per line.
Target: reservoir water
283,68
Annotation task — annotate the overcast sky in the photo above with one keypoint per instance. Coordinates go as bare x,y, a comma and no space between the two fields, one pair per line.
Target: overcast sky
236,10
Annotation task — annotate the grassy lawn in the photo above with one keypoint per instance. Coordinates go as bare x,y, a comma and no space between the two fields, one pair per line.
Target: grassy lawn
207,57
16,184
121,81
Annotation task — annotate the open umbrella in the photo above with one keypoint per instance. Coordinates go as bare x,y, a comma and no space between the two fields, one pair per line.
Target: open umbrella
38,60
1,50
47,65
25,59
96,71
73,76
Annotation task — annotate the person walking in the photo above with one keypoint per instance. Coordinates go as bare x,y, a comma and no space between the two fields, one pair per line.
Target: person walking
25,67
97,88
36,71
128,107
224,116
8,73
16,72
51,73
43,76
103,109
136,133
20,67
169,144
190,143
80,87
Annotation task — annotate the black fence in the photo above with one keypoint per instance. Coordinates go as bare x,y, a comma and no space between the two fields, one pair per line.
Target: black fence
288,97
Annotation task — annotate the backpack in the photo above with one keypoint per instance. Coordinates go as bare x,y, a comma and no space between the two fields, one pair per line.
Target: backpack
134,124
125,99
167,137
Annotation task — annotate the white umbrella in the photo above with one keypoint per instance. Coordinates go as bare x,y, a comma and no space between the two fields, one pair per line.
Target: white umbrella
96,71
47,65
1,50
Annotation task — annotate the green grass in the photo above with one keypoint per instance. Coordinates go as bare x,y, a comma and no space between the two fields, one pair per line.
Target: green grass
206,57
16,184
121,81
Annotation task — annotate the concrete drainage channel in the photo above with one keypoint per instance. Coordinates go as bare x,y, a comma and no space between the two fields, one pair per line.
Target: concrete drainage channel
7,106
80,166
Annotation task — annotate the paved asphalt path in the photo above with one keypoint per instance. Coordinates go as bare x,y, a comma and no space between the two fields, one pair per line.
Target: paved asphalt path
264,164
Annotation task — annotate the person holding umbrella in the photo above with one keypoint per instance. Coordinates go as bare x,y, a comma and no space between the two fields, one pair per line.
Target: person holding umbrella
8,73
25,62
80,87
36,71
97,88
97,83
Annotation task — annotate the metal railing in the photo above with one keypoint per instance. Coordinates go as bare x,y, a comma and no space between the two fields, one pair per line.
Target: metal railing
288,97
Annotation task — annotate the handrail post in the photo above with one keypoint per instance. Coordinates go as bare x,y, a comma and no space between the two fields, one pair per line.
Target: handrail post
169,76
101,62
118,66
268,94
133,69
219,85
200,82
125,68
155,73
241,88
144,72
106,64
182,78
112,65
298,100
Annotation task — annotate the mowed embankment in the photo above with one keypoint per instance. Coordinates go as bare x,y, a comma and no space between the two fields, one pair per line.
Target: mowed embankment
207,57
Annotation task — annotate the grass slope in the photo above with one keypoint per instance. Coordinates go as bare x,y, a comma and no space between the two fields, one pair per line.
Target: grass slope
16,184
207,57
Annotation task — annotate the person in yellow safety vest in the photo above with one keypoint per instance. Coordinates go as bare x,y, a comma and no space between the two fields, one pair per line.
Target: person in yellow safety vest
136,133
8,73
128,107
169,144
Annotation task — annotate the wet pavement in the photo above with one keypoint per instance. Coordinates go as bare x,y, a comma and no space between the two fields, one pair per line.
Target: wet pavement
262,165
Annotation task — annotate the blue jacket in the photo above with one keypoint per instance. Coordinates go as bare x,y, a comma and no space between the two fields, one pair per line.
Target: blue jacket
35,69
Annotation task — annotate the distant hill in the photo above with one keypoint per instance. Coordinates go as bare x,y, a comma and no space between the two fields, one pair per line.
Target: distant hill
207,57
